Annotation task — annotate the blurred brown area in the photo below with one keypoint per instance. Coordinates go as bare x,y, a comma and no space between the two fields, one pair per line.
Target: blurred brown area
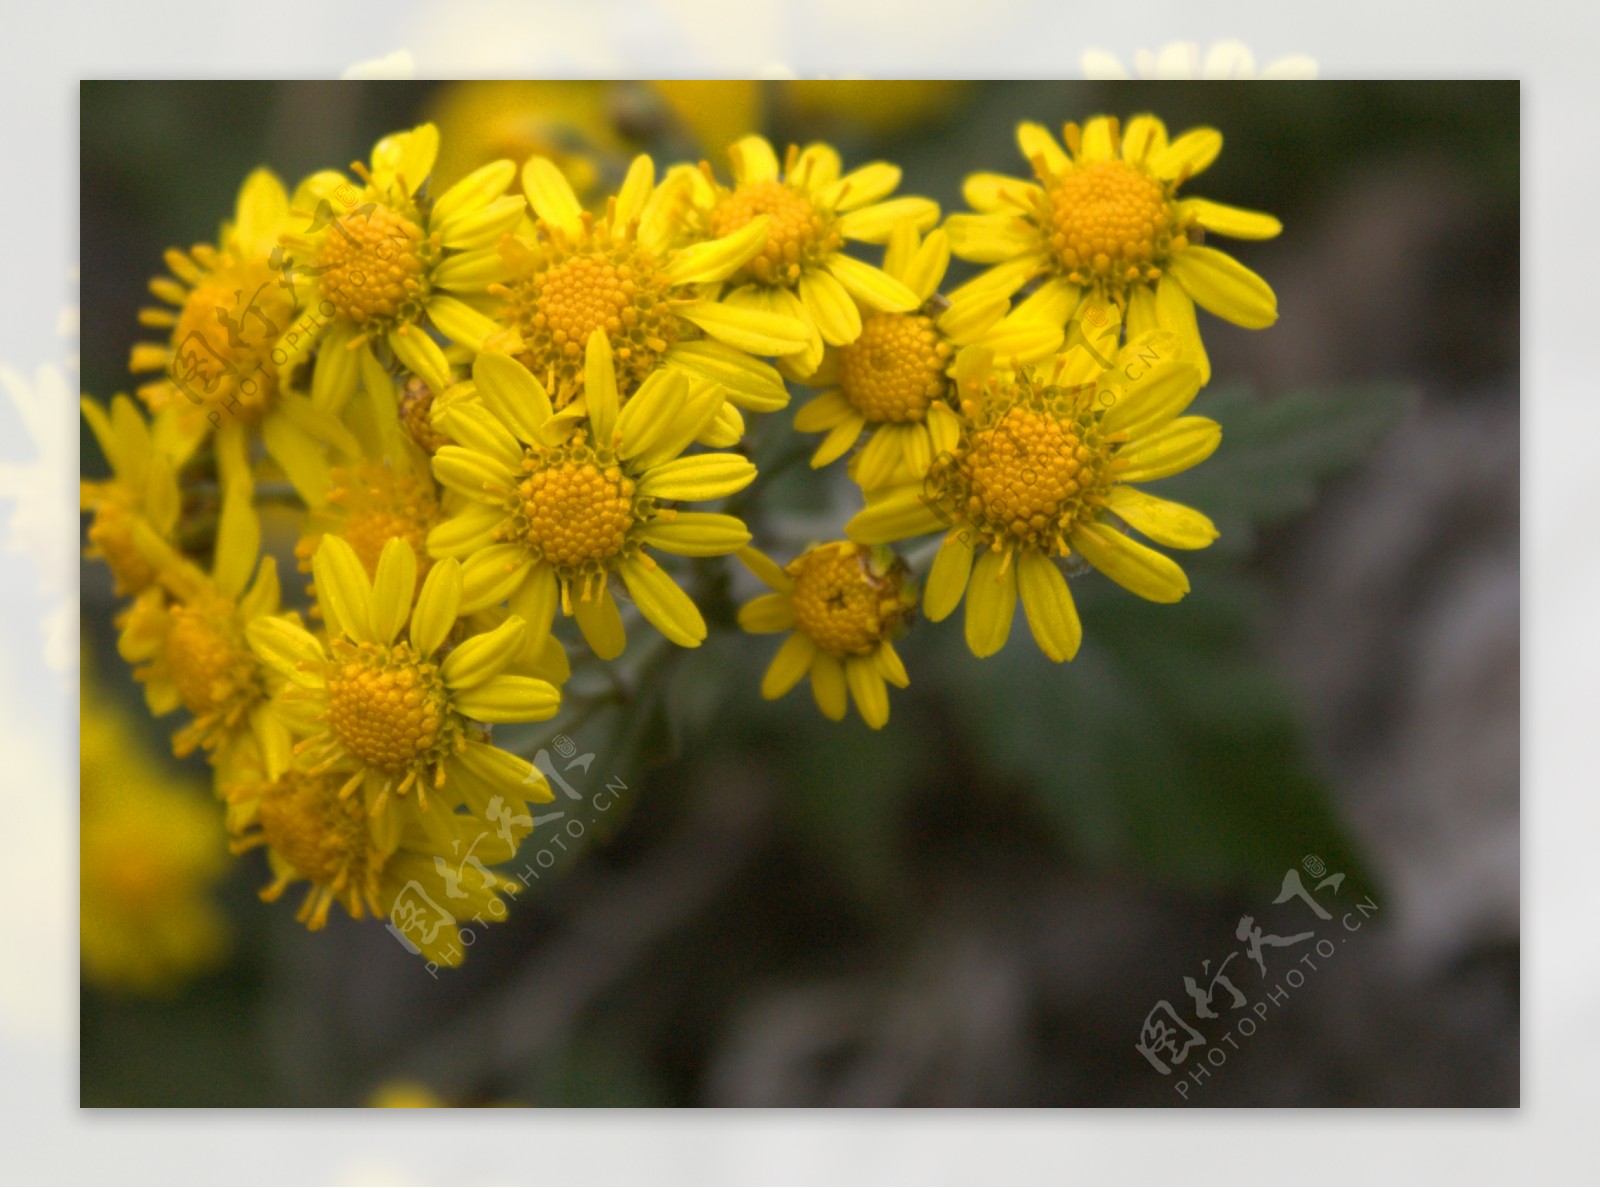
791,913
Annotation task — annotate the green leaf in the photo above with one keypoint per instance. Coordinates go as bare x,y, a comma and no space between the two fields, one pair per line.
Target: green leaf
1276,452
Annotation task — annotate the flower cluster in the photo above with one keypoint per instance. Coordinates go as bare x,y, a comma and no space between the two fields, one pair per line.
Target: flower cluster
486,411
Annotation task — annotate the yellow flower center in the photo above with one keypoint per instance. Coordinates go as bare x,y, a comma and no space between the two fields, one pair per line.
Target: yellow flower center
847,599
895,370
799,234
374,265
372,505
223,341
324,836
1029,472
578,511
388,707
563,290
211,664
1108,220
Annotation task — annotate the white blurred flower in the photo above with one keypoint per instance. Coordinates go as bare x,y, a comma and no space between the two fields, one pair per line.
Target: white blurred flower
399,64
1182,59
44,517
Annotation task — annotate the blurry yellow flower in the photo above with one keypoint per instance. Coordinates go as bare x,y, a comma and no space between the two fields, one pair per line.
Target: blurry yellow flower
143,487
374,864
1102,221
389,262
186,633
393,715
1043,470
221,365
892,382
371,502
628,275
844,604
405,1095
802,271
556,510
1181,59
151,847
884,106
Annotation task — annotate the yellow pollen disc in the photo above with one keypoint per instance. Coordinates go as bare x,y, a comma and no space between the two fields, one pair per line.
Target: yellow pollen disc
798,234
386,707
842,603
562,293
895,370
324,836
1029,476
224,337
1108,219
578,512
372,265
373,505
206,652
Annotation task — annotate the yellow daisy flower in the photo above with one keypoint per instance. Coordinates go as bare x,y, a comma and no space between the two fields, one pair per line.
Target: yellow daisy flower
186,633
1044,469
556,510
388,262
222,367
630,274
844,605
1103,219
378,865
802,271
151,850
893,381
143,488
392,714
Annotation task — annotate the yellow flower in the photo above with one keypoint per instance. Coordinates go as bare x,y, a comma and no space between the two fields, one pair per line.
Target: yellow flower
222,365
802,271
1103,220
389,261
393,714
376,864
844,604
627,275
556,510
1043,470
893,381
151,847
186,633
143,488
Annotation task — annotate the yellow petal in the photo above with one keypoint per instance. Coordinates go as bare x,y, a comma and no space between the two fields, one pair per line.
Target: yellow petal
551,196
1229,220
288,648
698,534
828,686
947,580
510,391
991,602
663,602
1133,566
1052,615
1160,390
871,286
437,606
1036,142
862,186
823,412
867,687
600,389
875,224
509,698
489,577
766,569
924,272
1225,287
832,308
1189,155
792,662
839,440
895,517
473,192
1186,442
753,330
751,384
343,590
459,322
753,160
1165,522
485,655
535,602
392,587
718,259
1144,139
767,613
601,624
421,355
702,476
991,238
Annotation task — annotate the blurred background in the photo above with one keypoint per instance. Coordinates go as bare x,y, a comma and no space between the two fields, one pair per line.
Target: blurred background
981,904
